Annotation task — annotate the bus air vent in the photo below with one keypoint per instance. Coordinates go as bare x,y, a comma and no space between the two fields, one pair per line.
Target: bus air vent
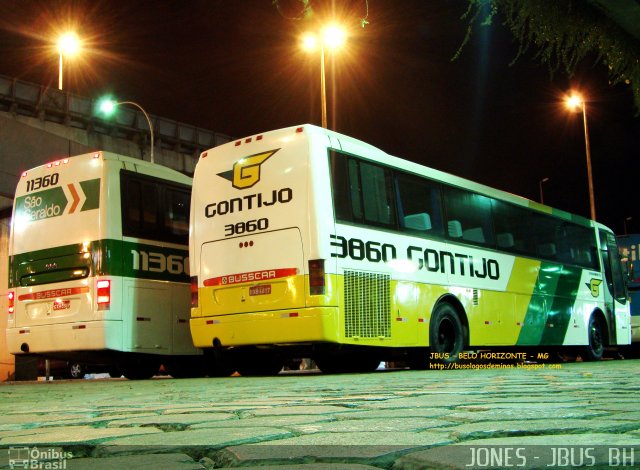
367,308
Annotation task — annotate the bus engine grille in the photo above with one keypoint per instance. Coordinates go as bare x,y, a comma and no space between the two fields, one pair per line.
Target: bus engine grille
367,309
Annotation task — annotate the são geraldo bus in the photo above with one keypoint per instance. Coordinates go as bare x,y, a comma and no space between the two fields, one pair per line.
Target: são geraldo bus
98,268
308,243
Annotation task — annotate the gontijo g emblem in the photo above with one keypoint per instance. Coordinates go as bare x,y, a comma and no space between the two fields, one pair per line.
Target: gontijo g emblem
594,287
246,171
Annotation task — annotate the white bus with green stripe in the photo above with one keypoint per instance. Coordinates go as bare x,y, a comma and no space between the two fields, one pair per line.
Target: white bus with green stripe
98,268
308,243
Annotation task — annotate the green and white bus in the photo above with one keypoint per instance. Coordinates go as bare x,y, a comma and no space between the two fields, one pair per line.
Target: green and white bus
98,268
308,243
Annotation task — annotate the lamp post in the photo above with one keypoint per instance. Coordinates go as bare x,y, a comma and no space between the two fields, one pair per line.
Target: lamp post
627,219
575,102
543,180
108,106
68,45
333,37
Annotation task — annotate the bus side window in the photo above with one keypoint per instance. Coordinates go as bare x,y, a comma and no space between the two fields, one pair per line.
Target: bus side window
139,208
149,208
376,194
131,194
343,188
469,216
176,215
362,192
613,266
419,205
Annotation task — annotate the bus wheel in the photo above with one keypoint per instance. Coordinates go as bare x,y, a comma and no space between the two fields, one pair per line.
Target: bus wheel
446,335
595,349
76,370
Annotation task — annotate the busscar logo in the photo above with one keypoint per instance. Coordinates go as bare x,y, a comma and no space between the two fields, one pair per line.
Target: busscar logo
246,171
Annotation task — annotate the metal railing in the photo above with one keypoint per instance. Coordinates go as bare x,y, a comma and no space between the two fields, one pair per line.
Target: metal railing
50,104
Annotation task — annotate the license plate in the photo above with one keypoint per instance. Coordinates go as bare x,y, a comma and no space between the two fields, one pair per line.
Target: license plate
260,290
61,304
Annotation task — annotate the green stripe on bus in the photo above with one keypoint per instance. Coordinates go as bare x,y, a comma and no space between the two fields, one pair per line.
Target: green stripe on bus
91,189
551,305
560,311
114,258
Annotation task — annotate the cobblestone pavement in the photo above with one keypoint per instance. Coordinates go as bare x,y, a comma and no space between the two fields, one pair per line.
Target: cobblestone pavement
395,420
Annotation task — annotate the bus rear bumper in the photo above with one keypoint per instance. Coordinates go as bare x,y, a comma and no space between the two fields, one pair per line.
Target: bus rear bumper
77,336
305,325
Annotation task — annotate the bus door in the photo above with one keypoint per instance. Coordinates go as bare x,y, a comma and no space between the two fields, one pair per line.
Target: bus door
615,293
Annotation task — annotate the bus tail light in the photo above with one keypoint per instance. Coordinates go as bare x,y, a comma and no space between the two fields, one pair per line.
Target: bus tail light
103,294
194,292
316,277
11,296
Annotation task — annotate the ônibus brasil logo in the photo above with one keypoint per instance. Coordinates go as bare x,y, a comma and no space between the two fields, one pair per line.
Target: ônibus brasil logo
246,171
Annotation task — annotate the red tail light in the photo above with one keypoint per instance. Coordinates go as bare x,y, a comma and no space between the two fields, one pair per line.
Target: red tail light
316,277
103,294
194,292
11,296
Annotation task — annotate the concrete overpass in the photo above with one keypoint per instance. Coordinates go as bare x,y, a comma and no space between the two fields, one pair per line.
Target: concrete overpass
39,124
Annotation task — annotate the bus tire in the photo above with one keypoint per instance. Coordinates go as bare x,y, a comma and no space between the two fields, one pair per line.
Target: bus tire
446,334
595,349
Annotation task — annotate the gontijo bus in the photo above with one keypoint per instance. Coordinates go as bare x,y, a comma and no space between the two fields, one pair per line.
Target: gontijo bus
98,268
629,246
307,242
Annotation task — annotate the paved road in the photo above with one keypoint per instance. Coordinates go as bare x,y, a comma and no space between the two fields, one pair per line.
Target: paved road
587,412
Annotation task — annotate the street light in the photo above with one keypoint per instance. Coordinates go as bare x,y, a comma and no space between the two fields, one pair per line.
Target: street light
108,106
68,45
333,37
576,102
627,219
543,180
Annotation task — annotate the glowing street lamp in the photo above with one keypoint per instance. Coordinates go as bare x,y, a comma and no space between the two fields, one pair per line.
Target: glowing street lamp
108,106
68,45
575,102
333,37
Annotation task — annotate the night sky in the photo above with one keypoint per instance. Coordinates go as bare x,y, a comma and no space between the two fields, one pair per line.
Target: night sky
235,67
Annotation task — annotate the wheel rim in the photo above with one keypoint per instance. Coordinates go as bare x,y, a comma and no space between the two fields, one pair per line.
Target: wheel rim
446,335
76,370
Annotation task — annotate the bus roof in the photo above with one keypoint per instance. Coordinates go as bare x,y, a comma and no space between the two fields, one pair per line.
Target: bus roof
153,169
364,150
